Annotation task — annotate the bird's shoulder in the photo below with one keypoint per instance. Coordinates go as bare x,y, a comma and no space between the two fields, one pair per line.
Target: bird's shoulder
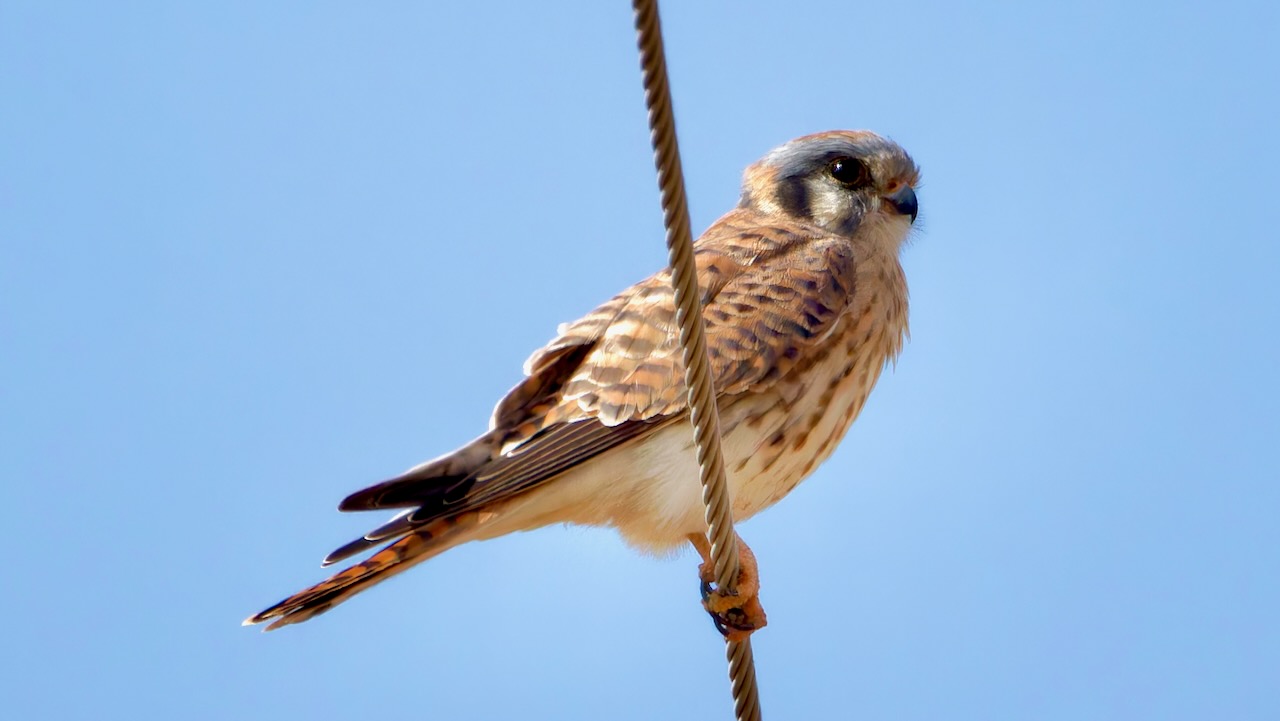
770,287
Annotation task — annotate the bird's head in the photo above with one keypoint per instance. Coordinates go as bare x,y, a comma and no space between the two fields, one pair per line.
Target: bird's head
838,180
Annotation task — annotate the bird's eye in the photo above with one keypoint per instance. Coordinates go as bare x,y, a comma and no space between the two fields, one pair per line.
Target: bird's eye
850,172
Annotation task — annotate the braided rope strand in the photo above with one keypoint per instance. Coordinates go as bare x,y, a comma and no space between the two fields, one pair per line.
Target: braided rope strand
702,401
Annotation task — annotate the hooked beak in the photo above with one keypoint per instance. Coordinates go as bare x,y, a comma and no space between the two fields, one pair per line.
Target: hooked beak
904,201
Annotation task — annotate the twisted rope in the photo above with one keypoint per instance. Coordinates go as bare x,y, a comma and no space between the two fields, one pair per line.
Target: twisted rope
693,345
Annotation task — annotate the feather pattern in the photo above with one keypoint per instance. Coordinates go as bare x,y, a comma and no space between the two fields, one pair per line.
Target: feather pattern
804,301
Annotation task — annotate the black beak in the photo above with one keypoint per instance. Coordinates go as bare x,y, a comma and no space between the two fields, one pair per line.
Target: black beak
904,201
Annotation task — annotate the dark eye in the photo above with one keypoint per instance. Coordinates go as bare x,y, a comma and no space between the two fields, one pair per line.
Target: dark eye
850,172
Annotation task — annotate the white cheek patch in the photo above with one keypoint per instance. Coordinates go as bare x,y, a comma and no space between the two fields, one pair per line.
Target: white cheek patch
831,207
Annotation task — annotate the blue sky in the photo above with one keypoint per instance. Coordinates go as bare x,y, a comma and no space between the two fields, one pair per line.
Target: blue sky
257,255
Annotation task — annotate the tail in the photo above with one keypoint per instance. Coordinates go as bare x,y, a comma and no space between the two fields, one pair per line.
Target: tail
422,543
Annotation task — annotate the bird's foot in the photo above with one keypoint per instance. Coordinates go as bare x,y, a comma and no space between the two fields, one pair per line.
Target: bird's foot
736,614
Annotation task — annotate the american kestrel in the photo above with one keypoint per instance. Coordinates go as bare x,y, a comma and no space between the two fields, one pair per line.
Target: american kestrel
804,302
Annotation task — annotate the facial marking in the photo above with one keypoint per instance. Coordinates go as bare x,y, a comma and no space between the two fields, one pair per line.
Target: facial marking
832,180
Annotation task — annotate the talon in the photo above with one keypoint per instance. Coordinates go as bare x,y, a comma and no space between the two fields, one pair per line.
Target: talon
735,615
737,624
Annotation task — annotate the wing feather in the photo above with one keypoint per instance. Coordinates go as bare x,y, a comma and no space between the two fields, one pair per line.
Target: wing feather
616,375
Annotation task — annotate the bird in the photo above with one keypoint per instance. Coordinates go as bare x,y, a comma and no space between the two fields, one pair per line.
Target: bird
804,304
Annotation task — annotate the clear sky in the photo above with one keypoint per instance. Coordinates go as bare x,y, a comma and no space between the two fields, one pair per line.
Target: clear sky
254,256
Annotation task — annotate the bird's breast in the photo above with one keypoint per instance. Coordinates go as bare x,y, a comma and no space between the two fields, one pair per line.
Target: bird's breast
773,436
780,437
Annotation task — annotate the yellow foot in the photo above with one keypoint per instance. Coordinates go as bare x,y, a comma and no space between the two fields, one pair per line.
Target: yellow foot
738,614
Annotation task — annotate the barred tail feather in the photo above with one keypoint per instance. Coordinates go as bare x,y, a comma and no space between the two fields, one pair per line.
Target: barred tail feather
419,545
